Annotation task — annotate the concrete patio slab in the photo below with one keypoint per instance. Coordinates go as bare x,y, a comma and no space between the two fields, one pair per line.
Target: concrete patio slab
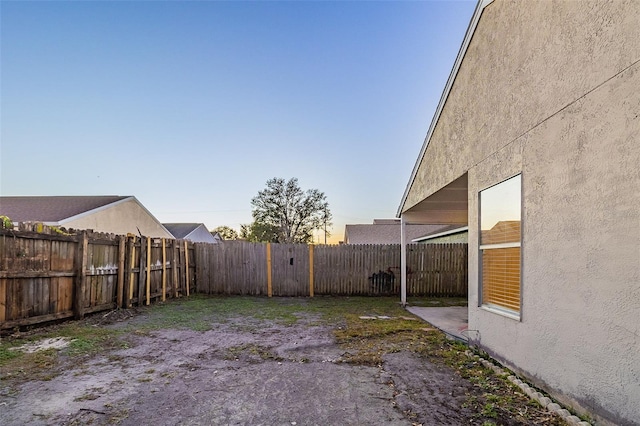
452,320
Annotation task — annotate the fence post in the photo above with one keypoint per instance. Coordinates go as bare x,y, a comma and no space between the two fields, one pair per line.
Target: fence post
128,273
121,267
81,277
186,266
201,251
164,271
174,267
310,270
269,284
147,283
142,273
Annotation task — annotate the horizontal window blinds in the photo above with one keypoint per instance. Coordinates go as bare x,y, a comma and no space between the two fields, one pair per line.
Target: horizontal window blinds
501,277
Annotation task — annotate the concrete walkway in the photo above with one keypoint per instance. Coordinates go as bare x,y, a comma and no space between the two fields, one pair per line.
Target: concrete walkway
452,320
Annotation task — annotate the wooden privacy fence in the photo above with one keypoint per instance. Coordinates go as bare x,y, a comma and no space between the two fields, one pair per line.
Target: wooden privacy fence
47,274
235,267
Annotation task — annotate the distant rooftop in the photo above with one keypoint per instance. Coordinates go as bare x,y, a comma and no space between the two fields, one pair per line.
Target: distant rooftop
181,230
386,221
385,231
52,208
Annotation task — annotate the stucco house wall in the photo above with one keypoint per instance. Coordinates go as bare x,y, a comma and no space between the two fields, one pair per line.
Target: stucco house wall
462,237
551,90
384,233
525,62
110,219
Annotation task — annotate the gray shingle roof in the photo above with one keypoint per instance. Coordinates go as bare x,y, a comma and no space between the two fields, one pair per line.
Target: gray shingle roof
181,230
385,233
52,208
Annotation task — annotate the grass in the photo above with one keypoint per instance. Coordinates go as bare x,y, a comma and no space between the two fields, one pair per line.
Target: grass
251,349
365,341
6,354
83,338
199,313
437,301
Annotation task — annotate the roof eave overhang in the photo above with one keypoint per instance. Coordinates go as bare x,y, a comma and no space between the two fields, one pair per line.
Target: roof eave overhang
110,205
96,210
441,234
475,18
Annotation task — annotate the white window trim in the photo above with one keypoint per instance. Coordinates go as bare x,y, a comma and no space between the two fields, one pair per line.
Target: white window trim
501,311
489,307
499,246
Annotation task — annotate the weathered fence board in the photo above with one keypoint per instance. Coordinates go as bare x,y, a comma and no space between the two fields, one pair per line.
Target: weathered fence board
52,276
290,269
47,274
440,271
235,267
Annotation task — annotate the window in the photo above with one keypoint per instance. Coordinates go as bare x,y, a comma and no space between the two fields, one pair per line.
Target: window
500,235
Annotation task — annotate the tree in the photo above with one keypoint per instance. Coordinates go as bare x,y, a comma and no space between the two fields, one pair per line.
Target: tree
294,214
259,233
226,232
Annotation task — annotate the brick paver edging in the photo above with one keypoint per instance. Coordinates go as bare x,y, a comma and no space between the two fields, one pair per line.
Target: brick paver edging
546,402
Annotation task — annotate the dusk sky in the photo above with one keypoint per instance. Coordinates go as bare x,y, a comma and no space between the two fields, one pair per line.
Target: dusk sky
192,106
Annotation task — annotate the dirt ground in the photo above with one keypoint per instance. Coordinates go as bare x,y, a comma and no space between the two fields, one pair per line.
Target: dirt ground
241,371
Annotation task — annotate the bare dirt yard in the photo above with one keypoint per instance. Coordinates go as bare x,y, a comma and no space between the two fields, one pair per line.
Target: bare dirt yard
257,361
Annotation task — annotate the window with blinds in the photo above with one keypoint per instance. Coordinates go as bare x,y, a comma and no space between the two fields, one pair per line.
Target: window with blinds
500,235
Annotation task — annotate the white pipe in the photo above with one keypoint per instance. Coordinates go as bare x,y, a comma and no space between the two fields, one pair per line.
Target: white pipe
403,261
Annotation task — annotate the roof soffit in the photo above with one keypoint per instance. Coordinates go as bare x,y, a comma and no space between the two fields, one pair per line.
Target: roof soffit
445,93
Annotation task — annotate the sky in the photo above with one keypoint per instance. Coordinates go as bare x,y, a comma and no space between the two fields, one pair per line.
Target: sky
192,106
501,202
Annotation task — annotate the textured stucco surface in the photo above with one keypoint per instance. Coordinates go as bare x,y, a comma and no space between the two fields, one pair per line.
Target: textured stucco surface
121,219
579,335
454,238
526,61
552,90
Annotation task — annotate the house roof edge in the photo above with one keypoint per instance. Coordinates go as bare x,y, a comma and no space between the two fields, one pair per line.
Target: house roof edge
473,23
95,210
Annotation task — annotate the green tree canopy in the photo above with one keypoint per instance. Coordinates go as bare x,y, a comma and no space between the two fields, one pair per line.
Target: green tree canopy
259,233
293,214
226,232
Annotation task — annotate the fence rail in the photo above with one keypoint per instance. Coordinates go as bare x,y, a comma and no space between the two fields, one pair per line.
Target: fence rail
47,274
299,270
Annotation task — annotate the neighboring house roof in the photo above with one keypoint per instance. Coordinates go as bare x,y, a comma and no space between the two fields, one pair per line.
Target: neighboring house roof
385,233
504,231
386,221
101,213
445,231
53,208
181,230
196,232
445,94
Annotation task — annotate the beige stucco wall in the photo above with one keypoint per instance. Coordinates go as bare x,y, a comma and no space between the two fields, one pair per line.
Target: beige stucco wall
121,218
526,61
454,238
552,90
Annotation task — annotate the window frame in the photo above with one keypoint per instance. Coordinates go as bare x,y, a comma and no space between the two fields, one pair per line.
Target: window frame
498,309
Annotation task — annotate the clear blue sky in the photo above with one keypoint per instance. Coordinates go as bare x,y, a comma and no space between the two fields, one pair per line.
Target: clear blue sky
193,106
